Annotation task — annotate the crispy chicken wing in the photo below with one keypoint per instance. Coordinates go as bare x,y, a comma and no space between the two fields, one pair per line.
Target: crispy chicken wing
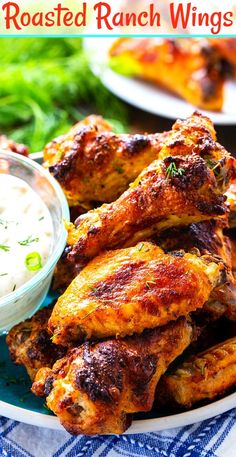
96,387
30,344
125,291
189,68
173,192
93,164
202,376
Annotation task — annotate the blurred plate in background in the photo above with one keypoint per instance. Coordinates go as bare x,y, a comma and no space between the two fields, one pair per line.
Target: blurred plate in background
149,97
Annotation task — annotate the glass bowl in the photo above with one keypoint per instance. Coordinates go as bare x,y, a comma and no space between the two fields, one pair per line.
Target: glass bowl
22,303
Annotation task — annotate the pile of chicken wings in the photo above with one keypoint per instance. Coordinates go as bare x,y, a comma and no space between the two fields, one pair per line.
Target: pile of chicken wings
147,296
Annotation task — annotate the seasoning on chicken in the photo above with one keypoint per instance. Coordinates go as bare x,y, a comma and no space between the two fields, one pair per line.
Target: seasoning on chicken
95,388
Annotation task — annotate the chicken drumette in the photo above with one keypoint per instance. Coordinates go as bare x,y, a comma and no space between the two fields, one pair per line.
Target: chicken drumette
95,388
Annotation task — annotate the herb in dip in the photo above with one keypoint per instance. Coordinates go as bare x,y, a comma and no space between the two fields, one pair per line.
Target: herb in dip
33,261
20,232
4,247
28,241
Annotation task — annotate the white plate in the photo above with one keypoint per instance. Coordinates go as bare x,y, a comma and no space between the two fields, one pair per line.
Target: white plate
138,426
149,97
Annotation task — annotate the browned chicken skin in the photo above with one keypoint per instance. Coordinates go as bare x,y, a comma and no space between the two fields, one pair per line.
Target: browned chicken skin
96,387
125,291
30,344
202,376
190,68
173,192
93,164
207,237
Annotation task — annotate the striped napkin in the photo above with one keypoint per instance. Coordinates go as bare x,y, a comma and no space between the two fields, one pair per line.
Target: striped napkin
215,437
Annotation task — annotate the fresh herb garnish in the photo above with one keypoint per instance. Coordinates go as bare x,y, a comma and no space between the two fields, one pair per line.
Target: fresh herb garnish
4,247
14,288
28,241
141,247
172,171
118,169
33,261
149,283
41,218
3,274
59,84
93,289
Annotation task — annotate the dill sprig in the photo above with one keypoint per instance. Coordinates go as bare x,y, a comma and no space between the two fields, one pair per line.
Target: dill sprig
4,247
28,241
172,171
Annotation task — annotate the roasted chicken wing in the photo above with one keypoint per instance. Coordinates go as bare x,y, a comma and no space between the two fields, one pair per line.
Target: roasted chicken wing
96,387
173,192
125,291
189,68
30,344
202,376
93,164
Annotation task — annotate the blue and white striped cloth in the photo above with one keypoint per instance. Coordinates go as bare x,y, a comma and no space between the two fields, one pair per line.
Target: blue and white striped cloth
212,438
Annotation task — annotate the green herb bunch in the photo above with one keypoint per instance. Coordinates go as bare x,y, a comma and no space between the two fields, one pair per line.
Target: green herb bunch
46,85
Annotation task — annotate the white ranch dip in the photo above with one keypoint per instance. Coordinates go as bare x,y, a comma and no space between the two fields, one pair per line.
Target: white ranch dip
26,233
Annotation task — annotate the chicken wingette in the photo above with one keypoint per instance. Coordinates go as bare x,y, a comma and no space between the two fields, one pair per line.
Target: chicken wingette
189,68
30,345
95,388
94,165
200,377
173,192
125,291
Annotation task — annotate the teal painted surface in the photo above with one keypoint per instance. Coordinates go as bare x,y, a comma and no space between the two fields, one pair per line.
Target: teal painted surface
14,382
